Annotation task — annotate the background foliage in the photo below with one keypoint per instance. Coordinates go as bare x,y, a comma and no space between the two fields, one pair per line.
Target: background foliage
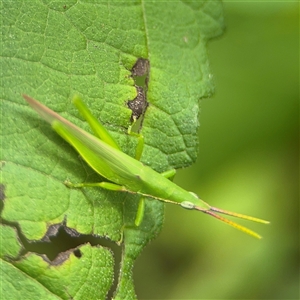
248,162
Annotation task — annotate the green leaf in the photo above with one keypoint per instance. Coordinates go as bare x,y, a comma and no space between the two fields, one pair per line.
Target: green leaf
52,50
59,279
12,246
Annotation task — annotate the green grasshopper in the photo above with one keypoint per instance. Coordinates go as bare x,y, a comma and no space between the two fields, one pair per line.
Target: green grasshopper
126,174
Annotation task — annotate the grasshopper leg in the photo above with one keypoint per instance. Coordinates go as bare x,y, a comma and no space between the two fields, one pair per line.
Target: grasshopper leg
104,185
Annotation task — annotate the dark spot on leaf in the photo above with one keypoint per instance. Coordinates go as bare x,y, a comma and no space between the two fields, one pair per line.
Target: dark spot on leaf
2,192
140,73
141,67
77,253
139,104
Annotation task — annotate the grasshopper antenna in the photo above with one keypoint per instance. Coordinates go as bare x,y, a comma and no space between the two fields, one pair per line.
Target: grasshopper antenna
214,210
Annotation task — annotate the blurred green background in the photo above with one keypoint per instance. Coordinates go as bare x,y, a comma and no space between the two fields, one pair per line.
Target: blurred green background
248,163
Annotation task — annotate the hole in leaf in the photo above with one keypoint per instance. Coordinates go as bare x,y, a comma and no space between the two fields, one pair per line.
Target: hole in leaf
60,242
61,239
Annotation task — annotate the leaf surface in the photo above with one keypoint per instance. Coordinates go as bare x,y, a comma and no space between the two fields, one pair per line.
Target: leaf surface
52,50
